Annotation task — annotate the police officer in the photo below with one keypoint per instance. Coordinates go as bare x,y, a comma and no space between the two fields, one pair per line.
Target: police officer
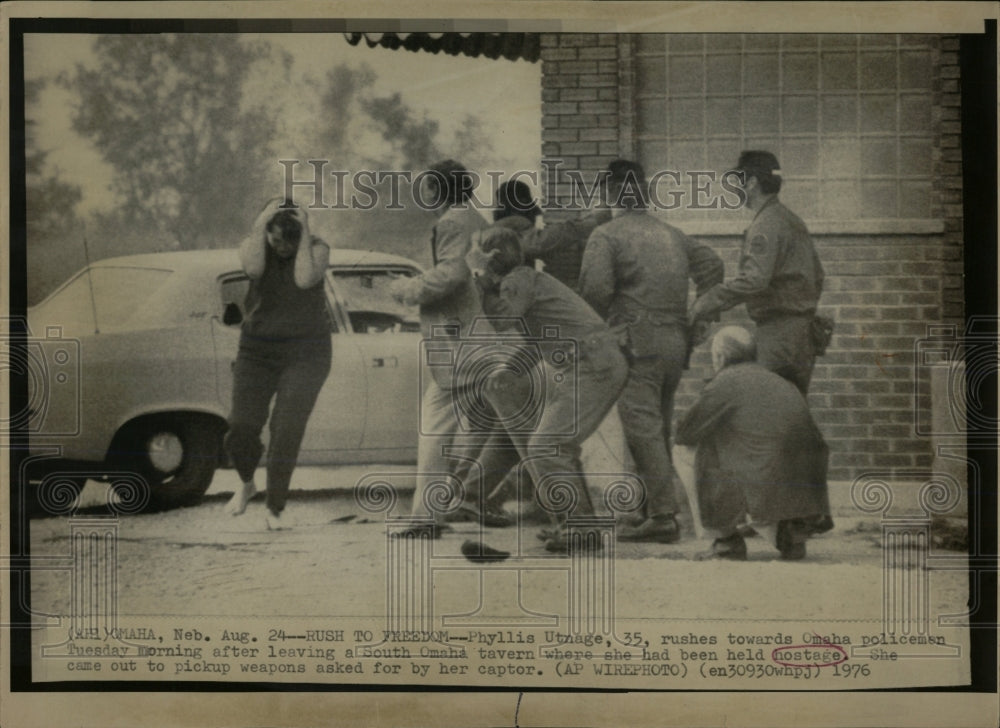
780,276
635,274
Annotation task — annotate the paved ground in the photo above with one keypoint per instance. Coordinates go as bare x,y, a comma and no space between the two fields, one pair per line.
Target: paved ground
201,561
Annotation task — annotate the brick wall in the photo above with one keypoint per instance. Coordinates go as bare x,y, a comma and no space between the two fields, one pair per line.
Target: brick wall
882,289
581,120
948,178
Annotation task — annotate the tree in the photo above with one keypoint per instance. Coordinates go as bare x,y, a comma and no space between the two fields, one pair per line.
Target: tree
52,226
51,203
403,138
167,112
358,129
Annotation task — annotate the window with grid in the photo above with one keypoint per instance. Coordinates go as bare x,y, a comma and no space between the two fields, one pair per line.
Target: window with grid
849,117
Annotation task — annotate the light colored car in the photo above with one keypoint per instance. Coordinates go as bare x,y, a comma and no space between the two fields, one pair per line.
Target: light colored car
131,370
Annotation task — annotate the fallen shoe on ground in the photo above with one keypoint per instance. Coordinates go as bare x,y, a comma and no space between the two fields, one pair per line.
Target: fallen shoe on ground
480,553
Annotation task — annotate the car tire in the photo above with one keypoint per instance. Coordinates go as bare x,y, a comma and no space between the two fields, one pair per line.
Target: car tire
177,456
52,498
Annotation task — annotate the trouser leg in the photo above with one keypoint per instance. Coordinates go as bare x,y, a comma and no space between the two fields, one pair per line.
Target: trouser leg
671,378
438,426
255,380
497,457
298,388
784,346
641,408
573,410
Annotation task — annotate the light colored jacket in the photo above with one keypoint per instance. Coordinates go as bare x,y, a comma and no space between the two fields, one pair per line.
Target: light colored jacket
448,298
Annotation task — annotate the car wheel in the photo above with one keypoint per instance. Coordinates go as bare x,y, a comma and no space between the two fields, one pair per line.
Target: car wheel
53,495
177,456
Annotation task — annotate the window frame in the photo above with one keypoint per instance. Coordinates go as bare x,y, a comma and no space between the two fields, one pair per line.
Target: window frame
331,283
777,46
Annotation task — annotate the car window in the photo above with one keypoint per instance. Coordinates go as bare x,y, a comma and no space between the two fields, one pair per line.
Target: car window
112,294
234,294
233,290
364,294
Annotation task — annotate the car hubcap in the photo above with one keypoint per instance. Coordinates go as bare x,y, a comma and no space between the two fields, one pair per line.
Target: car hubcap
166,451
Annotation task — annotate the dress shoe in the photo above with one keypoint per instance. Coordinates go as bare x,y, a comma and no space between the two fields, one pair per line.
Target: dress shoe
791,539
819,524
558,542
733,548
630,519
655,529
490,515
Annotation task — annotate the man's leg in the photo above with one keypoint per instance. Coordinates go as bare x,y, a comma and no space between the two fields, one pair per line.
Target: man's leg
438,426
496,458
298,388
784,346
255,380
642,421
648,392
575,408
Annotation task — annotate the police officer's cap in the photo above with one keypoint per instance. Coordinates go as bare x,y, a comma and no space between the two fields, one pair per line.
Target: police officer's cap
758,162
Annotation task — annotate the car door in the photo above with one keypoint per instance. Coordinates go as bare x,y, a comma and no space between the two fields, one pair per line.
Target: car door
387,336
336,426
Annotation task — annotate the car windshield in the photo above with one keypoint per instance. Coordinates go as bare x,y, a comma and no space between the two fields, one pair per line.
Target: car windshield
364,294
113,294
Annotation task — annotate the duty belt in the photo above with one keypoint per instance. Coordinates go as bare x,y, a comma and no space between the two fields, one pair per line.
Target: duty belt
656,318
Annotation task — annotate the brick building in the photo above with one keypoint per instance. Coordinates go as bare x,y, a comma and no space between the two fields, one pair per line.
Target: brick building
868,131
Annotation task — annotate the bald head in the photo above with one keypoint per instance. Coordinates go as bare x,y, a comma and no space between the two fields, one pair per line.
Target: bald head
732,345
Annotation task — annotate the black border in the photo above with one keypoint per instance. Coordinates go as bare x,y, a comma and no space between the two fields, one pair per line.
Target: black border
979,155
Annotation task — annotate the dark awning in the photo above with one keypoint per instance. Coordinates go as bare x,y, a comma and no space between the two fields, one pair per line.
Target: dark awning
492,45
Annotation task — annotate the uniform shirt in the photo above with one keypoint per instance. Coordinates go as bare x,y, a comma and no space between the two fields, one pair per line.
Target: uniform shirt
779,271
636,263
278,310
540,301
561,245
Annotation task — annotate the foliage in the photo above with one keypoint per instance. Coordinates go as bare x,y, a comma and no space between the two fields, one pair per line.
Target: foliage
167,112
51,203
